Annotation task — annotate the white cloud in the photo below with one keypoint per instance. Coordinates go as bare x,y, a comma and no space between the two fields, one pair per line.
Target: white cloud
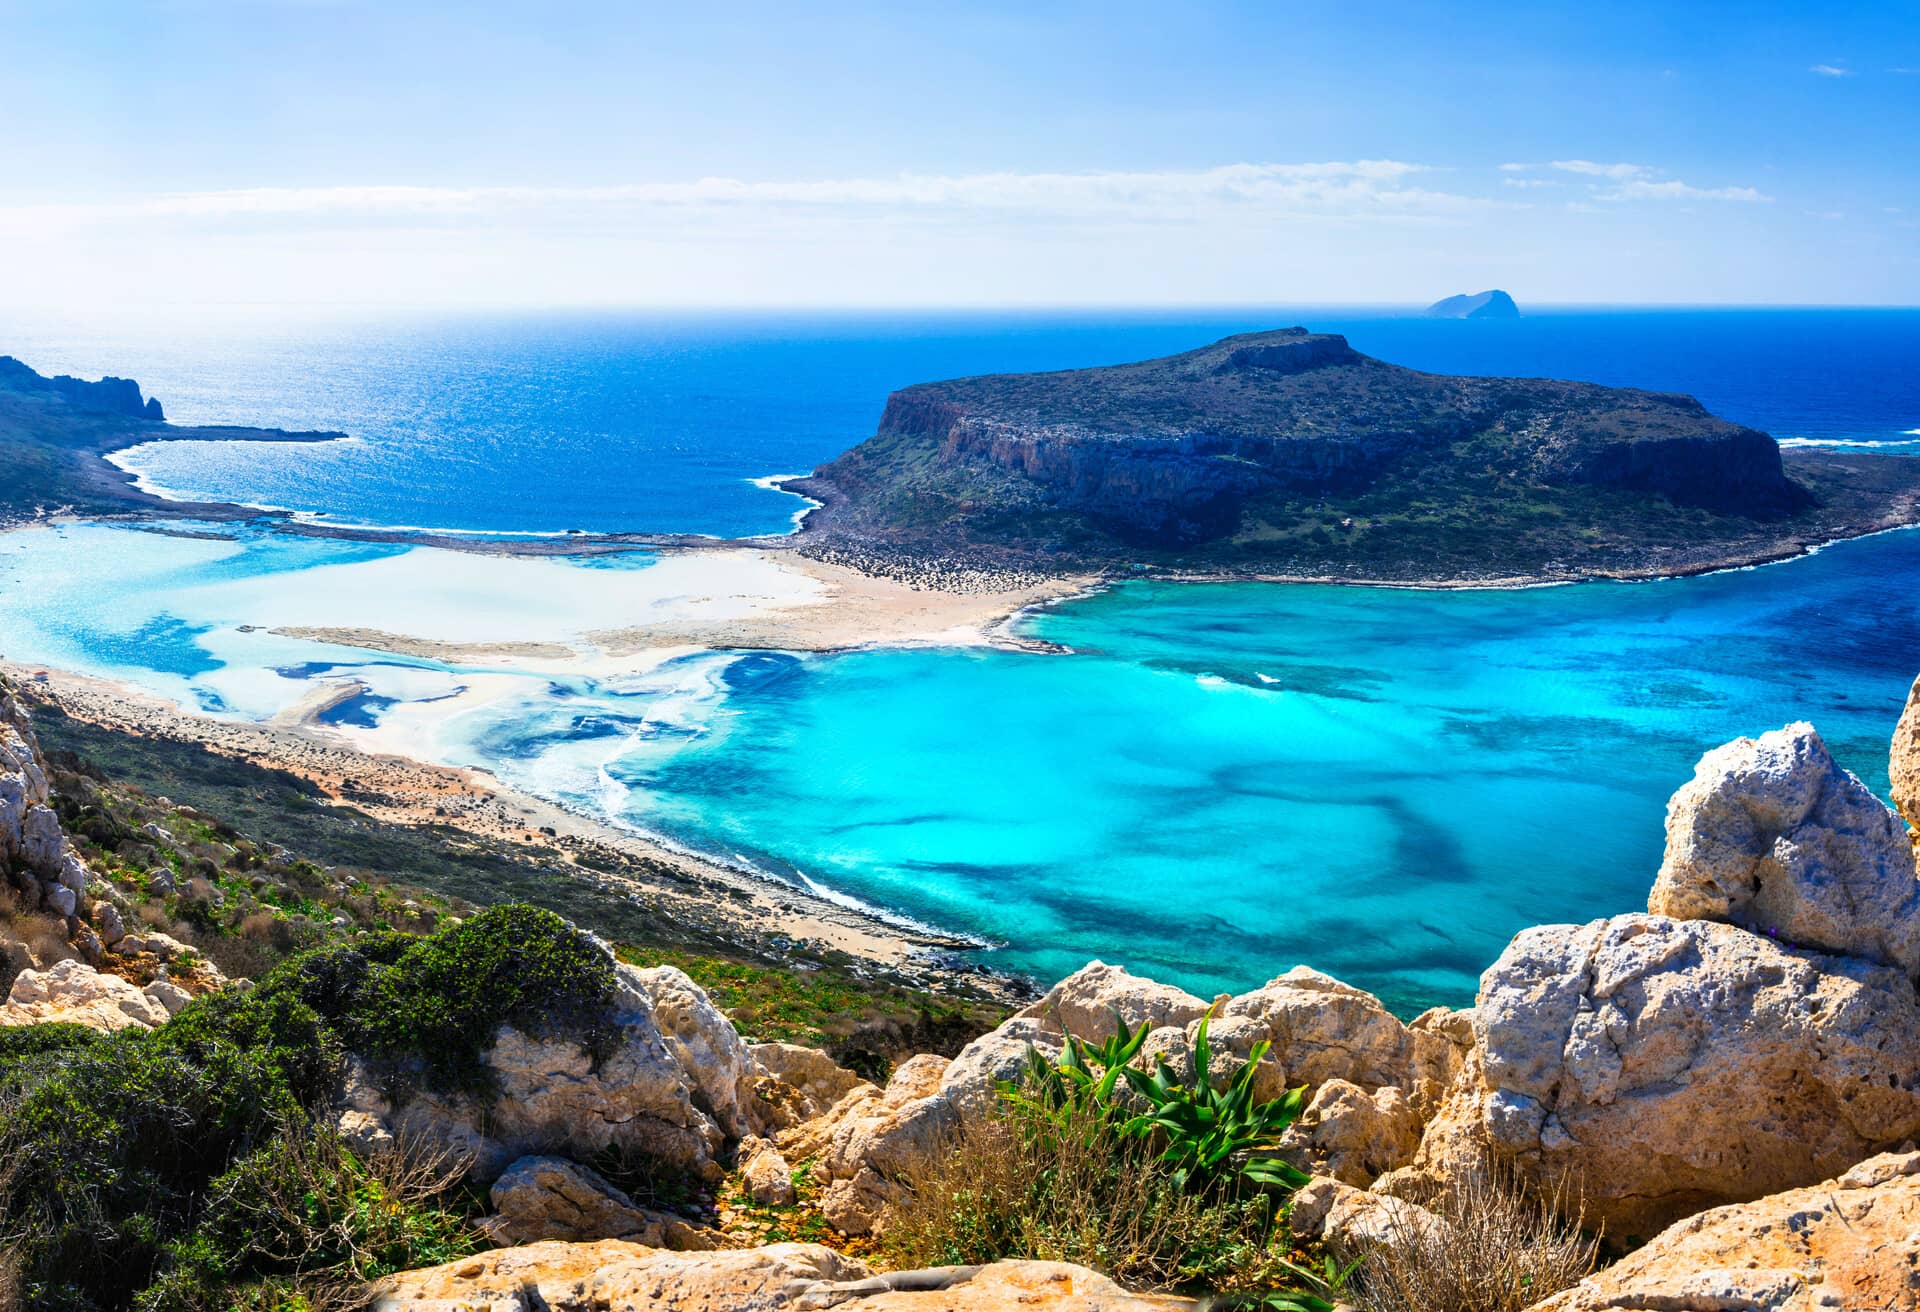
1673,189
1515,168
1831,70
1617,172
1356,189
1531,182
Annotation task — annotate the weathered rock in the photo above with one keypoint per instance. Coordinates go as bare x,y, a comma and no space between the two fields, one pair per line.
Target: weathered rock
1352,1135
1085,1002
169,995
623,1277
1231,1040
75,993
539,1198
1849,1245
1669,1065
1903,761
768,1177
674,1085
1772,835
1322,1029
1353,1220
880,1139
107,922
795,1085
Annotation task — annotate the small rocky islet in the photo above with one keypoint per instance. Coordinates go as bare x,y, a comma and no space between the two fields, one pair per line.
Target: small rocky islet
1726,1080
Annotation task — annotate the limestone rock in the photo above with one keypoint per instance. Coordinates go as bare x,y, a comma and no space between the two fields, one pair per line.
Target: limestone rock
1353,1220
1352,1135
675,1085
882,1138
1772,835
1231,1040
1903,761
1085,1002
1322,1029
169,995
623,1277
795,1084
1850,1243
1671,1065
768,1177
75,993
540,1198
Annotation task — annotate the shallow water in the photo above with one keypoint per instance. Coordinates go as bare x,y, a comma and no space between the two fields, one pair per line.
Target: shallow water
1221,781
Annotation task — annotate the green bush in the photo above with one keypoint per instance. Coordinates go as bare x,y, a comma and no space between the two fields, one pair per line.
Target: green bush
138,1161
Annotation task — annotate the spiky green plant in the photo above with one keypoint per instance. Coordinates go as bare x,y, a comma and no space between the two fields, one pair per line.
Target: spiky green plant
1213,1133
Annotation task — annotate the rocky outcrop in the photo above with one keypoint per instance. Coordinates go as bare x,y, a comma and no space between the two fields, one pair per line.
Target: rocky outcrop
624,1277
115,396
1772,835
1850,1244
1323,1032
1670,1065
1903,761
539,1198
35,856
674,1084
72,992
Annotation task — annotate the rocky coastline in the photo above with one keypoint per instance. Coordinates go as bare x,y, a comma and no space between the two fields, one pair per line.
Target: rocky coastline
1726,1081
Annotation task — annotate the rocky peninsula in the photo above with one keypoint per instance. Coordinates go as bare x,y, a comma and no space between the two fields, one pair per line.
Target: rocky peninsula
1289,454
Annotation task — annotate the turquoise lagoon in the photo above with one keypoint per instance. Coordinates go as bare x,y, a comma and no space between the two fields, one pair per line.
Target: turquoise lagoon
1219,781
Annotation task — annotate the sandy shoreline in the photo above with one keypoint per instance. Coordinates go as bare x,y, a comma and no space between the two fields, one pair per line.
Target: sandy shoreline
400,790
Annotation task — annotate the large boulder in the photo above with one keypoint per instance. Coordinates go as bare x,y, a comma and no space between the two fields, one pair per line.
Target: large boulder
552,1198
1665,1066
74,993
623,1277
675,1085
1848,1244
1772,835
880,1138
35,856
1903,761
1085,1003
1322,1029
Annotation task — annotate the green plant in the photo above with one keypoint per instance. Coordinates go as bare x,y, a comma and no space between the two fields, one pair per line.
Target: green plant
1205,1133
1212,1132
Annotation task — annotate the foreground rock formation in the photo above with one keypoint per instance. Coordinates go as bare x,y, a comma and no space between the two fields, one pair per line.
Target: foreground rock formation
622,1277
1849,1244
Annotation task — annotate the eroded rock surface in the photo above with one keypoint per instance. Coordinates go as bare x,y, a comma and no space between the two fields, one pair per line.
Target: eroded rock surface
72,992
624,1277
539,1198
1672,1065
676,1086
1851,1244
1771,834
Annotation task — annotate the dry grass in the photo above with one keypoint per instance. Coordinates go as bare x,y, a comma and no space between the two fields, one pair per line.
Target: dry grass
1500,1245
1007,1186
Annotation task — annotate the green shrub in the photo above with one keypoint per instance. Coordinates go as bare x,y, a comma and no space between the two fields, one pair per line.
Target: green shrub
303,1221
150,1158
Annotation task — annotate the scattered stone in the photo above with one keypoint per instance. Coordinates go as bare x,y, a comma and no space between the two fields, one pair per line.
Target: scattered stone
768,1178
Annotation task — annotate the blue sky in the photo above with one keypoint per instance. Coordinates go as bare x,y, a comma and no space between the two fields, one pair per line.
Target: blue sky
328,154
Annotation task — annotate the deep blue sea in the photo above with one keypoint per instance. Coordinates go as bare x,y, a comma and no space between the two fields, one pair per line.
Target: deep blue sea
1222,781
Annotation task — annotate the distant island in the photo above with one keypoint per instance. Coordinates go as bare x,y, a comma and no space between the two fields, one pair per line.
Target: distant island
1290,454
1494,304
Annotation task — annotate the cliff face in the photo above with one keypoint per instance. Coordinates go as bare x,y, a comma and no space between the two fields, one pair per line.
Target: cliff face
114,396
1172,453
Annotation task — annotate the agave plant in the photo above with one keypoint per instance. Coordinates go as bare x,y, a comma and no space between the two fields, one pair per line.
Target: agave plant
1210,1133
